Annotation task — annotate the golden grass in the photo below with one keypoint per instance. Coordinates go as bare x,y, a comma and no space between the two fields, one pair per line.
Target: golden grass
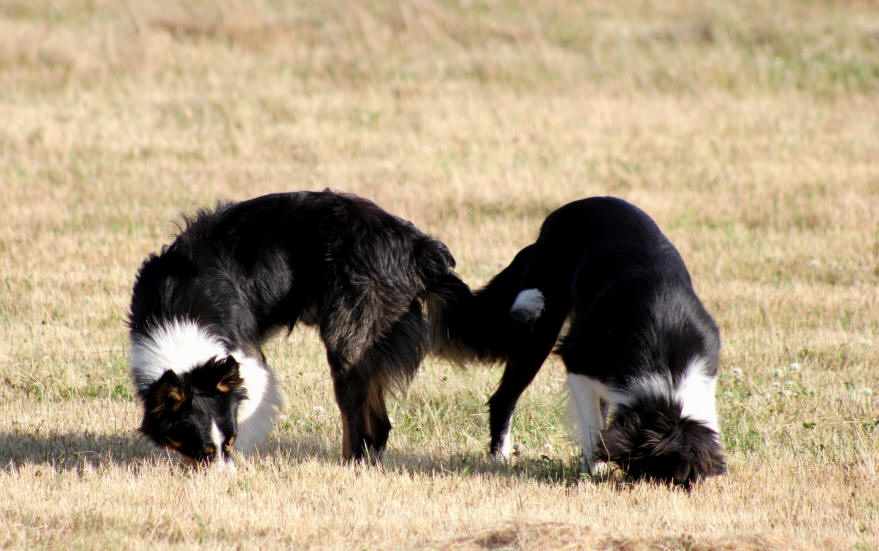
748,131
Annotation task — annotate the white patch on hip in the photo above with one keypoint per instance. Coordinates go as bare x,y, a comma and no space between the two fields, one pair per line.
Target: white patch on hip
177,345
257,413
529,305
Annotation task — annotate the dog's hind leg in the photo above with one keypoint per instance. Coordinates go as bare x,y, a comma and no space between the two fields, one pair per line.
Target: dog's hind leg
379,425
351,397
530,348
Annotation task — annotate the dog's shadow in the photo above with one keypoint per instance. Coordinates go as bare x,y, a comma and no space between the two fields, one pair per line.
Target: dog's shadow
75,451
72,451
545,469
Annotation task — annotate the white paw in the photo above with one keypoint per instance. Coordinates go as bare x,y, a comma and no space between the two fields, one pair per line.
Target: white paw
600,469
499,456
594,468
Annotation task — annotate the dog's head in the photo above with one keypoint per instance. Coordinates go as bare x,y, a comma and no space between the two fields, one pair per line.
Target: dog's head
195,413
656,443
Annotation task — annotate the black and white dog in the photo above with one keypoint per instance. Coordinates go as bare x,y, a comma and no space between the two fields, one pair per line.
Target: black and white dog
640,347
374,285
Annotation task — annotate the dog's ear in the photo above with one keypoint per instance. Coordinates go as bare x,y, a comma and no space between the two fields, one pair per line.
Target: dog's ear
229,376
170,392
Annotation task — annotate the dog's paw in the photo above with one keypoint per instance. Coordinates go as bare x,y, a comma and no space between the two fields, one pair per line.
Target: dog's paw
503,454
600,469
595,469
498,456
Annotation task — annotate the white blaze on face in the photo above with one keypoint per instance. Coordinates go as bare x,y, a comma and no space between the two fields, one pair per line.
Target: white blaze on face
220,460
217,439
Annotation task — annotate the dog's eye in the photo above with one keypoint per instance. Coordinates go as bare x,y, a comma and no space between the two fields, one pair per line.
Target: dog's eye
210,450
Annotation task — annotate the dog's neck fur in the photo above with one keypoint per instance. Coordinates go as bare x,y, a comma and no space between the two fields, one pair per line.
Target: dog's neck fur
694,391
177,345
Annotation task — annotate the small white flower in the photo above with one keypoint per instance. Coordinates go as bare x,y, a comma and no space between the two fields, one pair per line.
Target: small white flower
794,366
318,410
737,371
867,391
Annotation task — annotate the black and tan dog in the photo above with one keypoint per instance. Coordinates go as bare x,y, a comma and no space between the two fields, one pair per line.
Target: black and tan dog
375,286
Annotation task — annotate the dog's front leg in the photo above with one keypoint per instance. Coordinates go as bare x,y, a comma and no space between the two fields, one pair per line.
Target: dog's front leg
589,415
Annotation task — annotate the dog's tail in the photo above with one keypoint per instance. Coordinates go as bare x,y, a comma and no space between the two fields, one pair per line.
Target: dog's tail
652,438
475,326
463,325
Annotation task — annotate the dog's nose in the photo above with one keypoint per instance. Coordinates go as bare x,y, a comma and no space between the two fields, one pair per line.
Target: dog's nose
222,464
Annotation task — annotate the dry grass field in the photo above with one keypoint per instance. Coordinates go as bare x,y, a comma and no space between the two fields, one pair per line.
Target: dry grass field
749,130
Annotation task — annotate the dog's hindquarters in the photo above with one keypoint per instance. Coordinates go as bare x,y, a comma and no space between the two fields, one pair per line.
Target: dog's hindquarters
361,383
389,290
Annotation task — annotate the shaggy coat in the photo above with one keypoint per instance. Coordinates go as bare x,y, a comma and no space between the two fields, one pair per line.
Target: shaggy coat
372,284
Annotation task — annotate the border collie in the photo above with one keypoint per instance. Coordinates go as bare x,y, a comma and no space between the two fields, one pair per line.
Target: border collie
373,284
641,349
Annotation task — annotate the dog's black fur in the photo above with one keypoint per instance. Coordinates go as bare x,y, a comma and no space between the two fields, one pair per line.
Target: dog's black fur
605,265
373,284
